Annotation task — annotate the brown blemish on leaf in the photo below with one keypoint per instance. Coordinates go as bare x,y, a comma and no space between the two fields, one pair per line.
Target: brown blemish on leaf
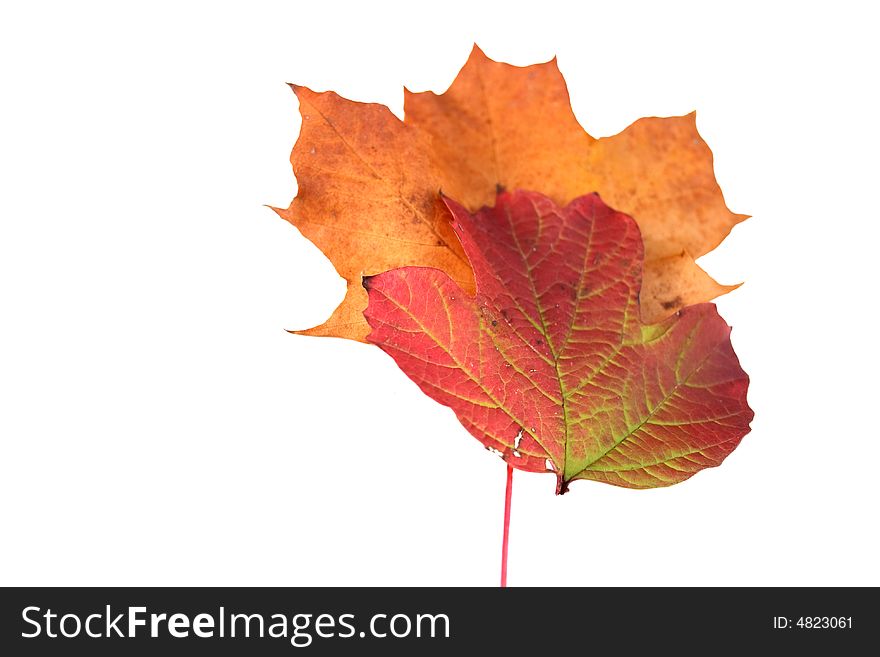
674,303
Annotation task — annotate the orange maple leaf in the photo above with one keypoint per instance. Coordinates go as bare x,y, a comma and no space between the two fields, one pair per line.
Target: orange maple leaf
369,183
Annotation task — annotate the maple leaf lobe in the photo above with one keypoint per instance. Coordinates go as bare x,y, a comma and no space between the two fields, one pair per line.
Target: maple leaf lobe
548,363
368,182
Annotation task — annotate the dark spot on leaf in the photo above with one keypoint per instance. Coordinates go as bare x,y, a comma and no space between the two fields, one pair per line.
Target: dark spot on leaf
494,322
672,303
539,341
499,188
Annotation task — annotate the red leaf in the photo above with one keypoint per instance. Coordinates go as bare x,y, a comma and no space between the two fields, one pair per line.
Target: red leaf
548,364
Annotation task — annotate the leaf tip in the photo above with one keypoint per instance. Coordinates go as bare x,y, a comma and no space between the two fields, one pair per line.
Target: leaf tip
300,90
455,208
284,213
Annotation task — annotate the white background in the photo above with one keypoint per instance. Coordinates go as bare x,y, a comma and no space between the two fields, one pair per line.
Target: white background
160,427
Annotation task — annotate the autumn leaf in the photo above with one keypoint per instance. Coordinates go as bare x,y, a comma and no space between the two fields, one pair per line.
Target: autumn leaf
549,364
368,183
368,198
